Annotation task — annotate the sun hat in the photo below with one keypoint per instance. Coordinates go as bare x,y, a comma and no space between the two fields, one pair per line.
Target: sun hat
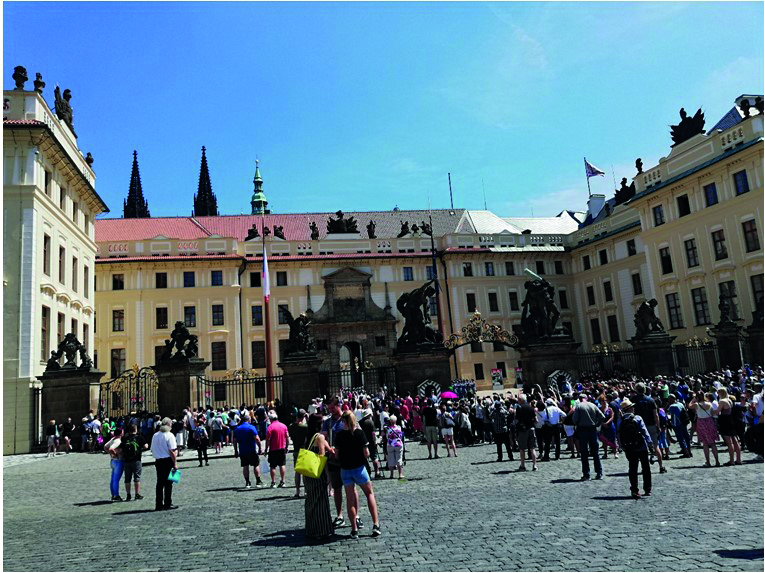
626,404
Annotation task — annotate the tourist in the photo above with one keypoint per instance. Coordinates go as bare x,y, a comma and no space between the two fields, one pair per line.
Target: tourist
330,428
297,431
177,429
500,430
430,423
552,418
679,418
51,431
217,431
705,425
164,450
447,424
607,434
368,427
465,426
84,434
318,518
726,428
587,418
351,451
277,435
570,429
95,435
112,447
394,437
636,442
247,444
525,418
132,448
202,439
645,407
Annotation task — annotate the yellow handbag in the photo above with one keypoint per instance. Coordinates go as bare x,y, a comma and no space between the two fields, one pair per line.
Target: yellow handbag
308,463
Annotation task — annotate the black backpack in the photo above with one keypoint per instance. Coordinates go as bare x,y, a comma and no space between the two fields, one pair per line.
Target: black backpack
684,418
131,450
630,436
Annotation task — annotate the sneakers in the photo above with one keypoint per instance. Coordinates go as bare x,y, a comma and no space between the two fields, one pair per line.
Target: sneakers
521,469
598,476
646,494
376,530
128,498
354,533
247,485
273,485
281,484
258,483
662,470
359,523
138,497
116,498
339,521
585,478
635,495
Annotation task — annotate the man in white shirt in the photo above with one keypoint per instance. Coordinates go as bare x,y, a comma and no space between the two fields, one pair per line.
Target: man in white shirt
551,417
164,450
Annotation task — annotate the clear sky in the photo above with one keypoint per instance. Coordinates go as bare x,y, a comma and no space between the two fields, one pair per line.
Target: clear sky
368,106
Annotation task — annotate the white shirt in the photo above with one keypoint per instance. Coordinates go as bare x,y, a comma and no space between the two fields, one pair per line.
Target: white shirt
161,444
554,414
759,403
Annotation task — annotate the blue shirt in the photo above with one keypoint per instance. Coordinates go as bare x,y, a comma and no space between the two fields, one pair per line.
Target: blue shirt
245,435
337,427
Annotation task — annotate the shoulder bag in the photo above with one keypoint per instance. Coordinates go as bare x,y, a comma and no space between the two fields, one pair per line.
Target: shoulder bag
308,463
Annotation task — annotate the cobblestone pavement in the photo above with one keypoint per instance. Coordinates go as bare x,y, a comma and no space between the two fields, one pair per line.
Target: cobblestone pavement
468,514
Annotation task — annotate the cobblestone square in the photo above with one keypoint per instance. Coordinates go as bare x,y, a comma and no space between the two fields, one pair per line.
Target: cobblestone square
468,514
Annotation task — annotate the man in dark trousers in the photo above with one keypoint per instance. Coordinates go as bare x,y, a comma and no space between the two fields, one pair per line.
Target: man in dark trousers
645,407
164,450
636,442
430,424
501,432
587,418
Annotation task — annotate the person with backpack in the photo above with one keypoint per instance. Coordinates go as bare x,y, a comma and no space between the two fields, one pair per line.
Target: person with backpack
202,439
131,447
679,416
646,408
447,429
636,443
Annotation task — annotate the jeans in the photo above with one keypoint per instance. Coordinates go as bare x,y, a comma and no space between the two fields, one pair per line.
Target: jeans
634,458
164,487
202,449
503,438
588,440
550,435
114,486
683,439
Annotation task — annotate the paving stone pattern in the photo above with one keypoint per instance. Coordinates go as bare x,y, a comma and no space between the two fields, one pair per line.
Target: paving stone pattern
465,514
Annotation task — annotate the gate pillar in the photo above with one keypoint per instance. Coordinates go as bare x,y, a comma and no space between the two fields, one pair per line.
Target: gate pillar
175,388
655,351
300,380
69,393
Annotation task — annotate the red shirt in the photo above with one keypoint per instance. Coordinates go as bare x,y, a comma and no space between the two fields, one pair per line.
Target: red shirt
276,436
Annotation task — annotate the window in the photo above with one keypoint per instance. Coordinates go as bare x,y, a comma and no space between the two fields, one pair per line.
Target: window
568,327
160,280
118,320
47,183
46,255
217,315
637,286
700,306
683,206
540,267
255,280
590,295
379,341
75,209
158,352
513,300
718,244
493,302
728,290
85,282
432,306
161,313
757,287
658,215
322,344
118,282
281,278
62,199
190,316
674,312
283,309
259,354
478,371
257,315
470,302
61,327
710,194
595,330
75,265
691,253
558,267
586,262
613,328
607,291
497,346
85,335
751,238
563,297
75,327
631,248
189,279
408,274
467,269
216,278
283,343
476,347
62,265
509,268
218,355
501,368
430,273
489,269
666,260
118,361
45,334
741,182
603,255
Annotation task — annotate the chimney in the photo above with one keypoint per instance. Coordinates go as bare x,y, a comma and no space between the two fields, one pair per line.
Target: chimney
595,204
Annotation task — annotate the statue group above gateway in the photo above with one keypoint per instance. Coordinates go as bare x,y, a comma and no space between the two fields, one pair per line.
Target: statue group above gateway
414,307
539,313
688,127
341,224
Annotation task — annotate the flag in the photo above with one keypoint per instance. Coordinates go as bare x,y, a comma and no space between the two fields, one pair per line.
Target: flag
591,170
266,283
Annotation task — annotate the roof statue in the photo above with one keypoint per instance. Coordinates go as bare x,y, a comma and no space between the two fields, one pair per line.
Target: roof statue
404,230
279,232
371,229
427,229
639,165
252,233
688,127
266,232
64,108
20,77
314,231
205,202
415,229
626,192
135,206
341,224
89,159
39,83
745,105
758,104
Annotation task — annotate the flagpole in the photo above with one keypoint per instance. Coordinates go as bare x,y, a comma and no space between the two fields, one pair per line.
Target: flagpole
589,193
266,284
435,272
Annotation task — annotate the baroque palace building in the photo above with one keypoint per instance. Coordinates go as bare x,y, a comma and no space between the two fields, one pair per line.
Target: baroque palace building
49,249
683,232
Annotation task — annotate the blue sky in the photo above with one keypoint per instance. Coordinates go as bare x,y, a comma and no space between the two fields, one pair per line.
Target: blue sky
368,106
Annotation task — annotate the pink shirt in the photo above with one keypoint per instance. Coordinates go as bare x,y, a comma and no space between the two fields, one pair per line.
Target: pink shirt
276,436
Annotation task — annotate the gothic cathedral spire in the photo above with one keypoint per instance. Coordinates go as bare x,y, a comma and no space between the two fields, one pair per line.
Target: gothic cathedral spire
135,206
205,202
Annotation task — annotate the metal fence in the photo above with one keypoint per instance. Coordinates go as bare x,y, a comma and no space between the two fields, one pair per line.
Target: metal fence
234,390
692,360
134,390
368,380
609,362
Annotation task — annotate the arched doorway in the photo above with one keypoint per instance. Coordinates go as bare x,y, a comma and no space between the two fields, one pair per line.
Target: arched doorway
351,363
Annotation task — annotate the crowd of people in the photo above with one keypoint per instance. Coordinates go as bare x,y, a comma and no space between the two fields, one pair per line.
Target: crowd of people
365,437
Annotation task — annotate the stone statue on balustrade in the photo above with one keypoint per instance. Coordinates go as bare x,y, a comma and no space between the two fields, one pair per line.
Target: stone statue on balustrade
341,224
688,127
646,321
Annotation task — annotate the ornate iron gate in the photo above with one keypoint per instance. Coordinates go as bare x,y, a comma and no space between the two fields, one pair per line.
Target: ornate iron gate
367,380
134,390
238,387
609,361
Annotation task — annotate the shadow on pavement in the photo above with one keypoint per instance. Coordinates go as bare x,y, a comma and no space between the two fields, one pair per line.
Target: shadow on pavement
295,538
620,474
99,502
612,497
231,488
565,480
487,462
741,553
133,511
504,472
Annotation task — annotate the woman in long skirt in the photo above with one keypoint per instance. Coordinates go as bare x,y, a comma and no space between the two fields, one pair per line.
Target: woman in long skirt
318,519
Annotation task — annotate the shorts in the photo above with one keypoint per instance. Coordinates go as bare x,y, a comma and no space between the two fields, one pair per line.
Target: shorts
217,436
663,440
394,456
51,441
527,440
359,476
373,455
447,432
179,439
654,433
431,434
277,458
132,471
335,480
569,430
250,459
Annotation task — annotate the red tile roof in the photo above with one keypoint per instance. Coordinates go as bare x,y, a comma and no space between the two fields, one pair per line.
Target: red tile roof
272,258
22,122
160,258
